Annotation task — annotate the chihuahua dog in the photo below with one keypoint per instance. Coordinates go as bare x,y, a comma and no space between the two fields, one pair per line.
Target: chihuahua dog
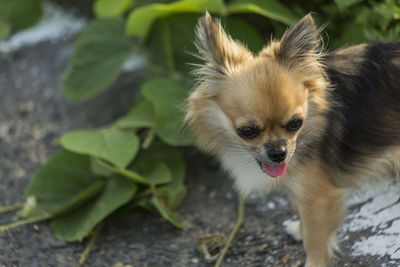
295,118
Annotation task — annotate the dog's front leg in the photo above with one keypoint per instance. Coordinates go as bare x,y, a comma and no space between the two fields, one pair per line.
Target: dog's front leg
320,209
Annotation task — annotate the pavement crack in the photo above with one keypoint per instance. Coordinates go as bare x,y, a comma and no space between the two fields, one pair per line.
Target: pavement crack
387,207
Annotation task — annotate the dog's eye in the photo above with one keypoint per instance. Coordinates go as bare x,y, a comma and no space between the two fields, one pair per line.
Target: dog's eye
248,132
294,125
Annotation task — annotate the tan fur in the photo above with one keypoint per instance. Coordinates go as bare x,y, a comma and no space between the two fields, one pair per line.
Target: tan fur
319,205
285,80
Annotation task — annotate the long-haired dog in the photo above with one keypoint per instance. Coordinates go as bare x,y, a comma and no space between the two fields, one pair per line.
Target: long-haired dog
295,118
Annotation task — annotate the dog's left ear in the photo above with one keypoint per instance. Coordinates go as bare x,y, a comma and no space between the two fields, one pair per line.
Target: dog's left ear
299,42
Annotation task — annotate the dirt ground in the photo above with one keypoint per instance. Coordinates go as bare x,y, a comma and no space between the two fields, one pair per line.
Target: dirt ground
34,112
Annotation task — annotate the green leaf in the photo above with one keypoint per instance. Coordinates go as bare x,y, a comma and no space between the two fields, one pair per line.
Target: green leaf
167,97
182,39
160,55
170,44
111,8
64,182
173,195
145,203
244,32
77,224
174,191
20,14
145,170
154,170
127,173
99,53
99,169
141,19
343,4
351,34
140,116
114,145
271,9
166,212
5,29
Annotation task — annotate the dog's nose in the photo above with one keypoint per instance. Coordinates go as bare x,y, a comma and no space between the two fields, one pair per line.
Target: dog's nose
277,154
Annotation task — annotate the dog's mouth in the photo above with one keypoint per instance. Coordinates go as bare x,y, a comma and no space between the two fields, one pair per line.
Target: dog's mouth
273,170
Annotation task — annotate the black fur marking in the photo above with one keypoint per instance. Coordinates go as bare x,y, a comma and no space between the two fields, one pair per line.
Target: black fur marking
367,121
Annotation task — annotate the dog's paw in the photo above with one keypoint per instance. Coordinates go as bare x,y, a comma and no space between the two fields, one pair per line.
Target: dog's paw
293,228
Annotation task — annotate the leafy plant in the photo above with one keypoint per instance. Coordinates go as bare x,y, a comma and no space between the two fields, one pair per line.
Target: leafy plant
16,15
131,162
134,162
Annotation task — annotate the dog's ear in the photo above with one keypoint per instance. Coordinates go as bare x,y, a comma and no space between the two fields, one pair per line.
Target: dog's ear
299,42
220,53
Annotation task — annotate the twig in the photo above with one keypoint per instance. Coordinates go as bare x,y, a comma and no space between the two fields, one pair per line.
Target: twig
12,207
89,246
237,226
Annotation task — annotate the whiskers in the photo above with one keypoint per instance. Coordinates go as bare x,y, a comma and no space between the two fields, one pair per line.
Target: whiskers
250,155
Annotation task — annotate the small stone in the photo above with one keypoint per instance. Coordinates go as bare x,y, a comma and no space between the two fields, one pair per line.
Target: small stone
229,195
212,194
286,259
249,238
298,263
36,227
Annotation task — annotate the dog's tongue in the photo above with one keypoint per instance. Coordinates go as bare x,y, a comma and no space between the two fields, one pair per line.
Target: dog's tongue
274,170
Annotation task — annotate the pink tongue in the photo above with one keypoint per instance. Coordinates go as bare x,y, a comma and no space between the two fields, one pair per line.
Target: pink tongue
274,170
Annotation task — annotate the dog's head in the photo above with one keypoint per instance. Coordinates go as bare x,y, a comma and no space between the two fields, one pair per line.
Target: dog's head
257,104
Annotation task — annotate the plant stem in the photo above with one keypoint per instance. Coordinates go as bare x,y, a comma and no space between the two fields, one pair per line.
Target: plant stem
89,246
236,227
25,221
11,207
148,138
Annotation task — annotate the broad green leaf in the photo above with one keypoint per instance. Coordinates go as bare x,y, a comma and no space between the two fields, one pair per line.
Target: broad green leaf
245,33
140,116
141,19
5,29
351,34
170,43
154,170
64,182
174,191
20,14
160,53
140,3
136,177
171,156
99,53
271,9
99,169
145,169
111,8
343,4
77,224
173,195
145,203
182,39
166,212
167,97
114,145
